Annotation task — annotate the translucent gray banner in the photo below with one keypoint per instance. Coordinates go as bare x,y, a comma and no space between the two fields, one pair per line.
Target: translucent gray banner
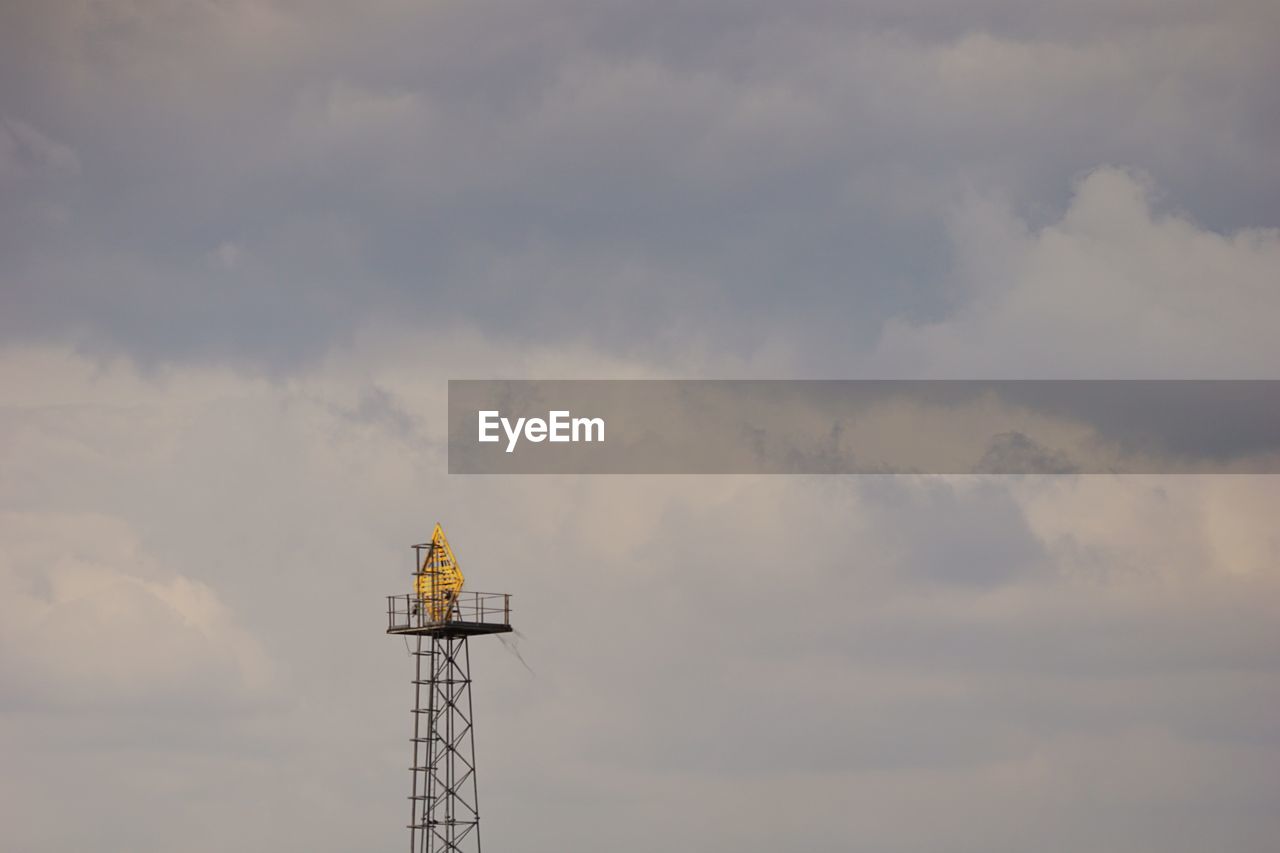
863,427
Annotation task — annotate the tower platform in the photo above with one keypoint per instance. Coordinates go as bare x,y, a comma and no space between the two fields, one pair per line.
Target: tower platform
471,614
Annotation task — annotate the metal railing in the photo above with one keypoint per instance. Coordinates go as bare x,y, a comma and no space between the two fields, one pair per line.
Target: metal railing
484,608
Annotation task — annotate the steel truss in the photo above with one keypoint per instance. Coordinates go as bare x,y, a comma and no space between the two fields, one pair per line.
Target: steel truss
445,815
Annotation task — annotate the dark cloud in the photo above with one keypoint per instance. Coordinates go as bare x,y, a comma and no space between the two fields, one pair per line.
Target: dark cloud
1014,453
731,176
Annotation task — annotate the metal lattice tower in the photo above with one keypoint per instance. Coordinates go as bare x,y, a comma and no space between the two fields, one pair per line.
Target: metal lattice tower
445,812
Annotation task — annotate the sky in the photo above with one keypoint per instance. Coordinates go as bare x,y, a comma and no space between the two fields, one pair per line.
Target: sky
244,245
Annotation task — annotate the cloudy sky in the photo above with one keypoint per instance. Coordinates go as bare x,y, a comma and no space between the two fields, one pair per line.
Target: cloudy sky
244,244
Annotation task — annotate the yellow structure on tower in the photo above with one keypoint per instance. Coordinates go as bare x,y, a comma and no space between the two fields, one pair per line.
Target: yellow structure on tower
439,581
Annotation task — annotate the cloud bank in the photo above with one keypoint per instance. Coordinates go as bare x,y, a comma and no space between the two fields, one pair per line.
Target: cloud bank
244,244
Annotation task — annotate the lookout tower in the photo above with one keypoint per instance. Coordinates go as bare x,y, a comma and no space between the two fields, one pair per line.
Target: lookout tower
441,616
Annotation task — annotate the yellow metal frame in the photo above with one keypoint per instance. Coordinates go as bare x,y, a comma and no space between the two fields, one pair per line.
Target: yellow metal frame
439,581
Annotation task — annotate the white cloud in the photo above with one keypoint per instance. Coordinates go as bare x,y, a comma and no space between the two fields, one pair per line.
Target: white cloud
88,619
1112,289
223,542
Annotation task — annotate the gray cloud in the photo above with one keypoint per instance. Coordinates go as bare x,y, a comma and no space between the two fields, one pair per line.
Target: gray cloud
243,245
1015,453
731,176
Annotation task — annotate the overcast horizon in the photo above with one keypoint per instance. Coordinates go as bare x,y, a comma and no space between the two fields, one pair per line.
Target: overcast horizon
244,245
